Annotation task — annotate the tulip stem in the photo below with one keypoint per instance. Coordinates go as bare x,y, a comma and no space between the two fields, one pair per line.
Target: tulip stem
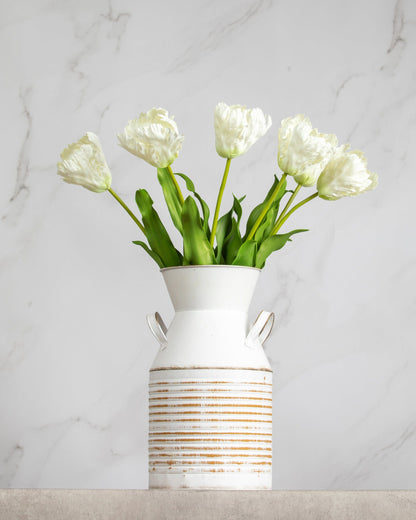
300,204
132,215
266,207
219,199
289,203
175,182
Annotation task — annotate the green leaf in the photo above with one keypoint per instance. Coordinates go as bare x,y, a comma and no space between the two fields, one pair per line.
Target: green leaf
204,206
156,234
226,231
238,210
205,212
272,244
271,216
232,243
189,184
223,229
196,246
254,215
263,231
246,254
171,196
154,255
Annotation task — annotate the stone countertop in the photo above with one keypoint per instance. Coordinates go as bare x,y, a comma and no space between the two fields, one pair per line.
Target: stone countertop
61,504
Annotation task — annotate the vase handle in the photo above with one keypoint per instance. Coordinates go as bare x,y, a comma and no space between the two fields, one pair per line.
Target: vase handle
158,329
261,329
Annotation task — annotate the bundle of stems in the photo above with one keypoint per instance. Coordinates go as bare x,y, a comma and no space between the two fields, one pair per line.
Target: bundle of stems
221,242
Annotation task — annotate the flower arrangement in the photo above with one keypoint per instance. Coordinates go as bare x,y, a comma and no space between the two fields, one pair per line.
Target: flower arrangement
310,157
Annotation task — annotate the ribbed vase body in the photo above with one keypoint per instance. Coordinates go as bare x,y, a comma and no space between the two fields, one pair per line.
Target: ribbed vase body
210,391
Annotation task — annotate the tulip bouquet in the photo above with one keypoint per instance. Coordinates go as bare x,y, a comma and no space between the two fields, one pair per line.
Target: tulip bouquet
310,157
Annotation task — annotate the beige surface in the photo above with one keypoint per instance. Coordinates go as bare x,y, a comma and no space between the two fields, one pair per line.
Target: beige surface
54,504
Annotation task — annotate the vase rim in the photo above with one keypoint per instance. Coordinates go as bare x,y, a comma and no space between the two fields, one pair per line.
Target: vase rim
216,266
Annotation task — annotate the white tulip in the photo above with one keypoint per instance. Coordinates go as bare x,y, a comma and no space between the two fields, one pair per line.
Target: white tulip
154,137
237,128
345,175
303,151
84,163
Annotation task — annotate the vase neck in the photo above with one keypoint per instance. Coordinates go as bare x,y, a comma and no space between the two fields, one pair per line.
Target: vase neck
211,287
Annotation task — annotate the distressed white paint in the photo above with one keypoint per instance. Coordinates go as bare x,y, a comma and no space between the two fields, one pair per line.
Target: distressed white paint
210,429
210,405
211,324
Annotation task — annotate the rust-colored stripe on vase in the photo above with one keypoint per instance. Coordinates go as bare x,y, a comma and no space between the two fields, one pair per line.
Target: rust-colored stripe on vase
210,429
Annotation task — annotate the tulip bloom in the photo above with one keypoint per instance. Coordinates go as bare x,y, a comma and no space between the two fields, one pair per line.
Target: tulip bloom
345,175
303,151
237,128
154,137
84,163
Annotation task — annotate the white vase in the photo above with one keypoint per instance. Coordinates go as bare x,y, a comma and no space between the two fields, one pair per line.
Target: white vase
211,384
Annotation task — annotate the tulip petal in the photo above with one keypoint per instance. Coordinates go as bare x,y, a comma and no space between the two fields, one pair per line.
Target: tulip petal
345,175
83,163
237,128
154,137
303,151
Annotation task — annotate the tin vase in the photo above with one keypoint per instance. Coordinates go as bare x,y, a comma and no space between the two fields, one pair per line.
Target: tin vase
210,403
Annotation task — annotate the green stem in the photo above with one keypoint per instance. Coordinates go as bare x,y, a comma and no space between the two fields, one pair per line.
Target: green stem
219,199
175,182
289,203
266,208
300,204
132,215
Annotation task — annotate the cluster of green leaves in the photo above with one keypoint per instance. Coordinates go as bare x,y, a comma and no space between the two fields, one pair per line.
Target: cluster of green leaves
192,222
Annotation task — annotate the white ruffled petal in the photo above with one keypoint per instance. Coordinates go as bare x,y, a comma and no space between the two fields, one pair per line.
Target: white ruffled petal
345,175
303,151
83,163
154,137
237,128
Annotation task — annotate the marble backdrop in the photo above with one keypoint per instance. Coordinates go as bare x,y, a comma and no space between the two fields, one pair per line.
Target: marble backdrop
75,349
